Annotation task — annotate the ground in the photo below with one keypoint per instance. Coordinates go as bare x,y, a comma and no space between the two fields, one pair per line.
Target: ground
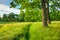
29,31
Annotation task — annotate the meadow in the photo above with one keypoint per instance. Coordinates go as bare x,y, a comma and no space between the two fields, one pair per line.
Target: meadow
29,31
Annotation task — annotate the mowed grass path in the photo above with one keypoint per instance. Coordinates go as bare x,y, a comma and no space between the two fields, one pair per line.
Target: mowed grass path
29,31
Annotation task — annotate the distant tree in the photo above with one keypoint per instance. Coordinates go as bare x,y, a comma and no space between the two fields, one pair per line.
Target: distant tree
13,17
16,17
5,17
0,19
22,15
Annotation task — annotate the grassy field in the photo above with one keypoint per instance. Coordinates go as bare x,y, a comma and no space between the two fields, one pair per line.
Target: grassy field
29,31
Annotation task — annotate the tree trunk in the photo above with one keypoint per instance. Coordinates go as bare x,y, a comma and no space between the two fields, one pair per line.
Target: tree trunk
44,15
47,11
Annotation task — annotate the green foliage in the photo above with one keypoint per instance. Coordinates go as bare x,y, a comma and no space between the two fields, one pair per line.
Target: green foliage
25,3
0,19
22,15
31,15
11,17
35,15
55,15
5,17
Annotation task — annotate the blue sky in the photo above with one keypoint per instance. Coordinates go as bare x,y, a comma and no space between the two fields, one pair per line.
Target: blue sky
5,2
5,7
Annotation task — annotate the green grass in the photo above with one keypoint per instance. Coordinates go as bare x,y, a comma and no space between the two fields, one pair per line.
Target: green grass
37,32
29,31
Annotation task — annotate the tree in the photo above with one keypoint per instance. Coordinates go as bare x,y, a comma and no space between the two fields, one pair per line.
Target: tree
16,17
22,15
13,17
33,15
44,14
5,17
0,18
25,4
55,5
47,11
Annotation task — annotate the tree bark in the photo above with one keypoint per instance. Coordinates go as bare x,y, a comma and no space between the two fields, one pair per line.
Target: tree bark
47,11
44,15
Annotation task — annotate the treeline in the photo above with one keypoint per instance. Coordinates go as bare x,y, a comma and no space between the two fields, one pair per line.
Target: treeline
31,15
11,17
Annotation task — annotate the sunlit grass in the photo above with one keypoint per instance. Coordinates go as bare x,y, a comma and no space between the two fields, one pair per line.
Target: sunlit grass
10,31
52,32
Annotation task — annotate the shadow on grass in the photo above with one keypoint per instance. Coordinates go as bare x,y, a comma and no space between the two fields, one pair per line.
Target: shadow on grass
24,35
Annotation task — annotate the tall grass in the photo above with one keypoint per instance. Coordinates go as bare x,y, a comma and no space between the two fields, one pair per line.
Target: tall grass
29,31
37,32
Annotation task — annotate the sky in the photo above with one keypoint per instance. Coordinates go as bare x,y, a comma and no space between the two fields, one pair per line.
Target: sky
5,2
5,7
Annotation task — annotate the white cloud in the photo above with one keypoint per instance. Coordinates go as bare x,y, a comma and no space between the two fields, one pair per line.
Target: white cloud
5,9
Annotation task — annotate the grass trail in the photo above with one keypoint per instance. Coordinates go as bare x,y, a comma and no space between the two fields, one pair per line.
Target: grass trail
35,31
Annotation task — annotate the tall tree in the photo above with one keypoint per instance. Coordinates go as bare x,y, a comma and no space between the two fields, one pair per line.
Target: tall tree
47,11
5,17
0,18
44,15
26,4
